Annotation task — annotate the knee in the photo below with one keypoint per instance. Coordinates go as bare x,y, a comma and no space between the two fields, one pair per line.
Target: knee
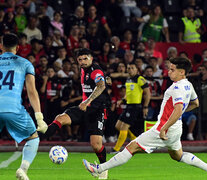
133,147
64,119
175,157
96,145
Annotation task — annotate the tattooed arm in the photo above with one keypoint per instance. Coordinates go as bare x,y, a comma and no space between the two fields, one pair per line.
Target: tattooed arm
100,86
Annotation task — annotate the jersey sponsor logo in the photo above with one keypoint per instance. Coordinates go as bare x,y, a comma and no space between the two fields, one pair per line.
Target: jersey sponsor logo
187,88
132,86
7,58
86,88
176,87
177,99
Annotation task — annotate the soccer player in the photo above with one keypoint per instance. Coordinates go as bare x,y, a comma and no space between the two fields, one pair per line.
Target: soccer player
178,98
136,89
91,110
13,72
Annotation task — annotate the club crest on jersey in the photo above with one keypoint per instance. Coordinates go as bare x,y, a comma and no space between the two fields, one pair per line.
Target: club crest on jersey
132,86
87,76
176,87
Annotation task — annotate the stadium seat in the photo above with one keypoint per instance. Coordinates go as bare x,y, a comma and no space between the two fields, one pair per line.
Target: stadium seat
171,6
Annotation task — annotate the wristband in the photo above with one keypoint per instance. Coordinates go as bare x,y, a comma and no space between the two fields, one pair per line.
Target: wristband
145,107
124,100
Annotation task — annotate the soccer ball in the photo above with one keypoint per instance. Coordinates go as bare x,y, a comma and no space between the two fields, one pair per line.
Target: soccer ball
58,154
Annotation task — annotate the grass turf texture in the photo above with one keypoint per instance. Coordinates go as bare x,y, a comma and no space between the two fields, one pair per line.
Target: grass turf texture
156,166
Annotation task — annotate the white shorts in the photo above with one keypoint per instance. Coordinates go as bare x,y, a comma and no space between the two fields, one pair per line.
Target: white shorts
150,141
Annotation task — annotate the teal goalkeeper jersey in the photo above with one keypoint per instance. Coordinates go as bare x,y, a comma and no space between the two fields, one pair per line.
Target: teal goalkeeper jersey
13,70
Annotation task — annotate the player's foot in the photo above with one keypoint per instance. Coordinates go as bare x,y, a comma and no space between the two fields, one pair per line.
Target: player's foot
92,168
190,137
113,151
103,175
21,175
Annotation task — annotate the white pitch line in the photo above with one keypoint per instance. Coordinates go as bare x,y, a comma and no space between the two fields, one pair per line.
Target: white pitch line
13,158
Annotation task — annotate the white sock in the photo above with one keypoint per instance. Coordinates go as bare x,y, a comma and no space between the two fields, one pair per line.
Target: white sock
191,159
25,165
117,160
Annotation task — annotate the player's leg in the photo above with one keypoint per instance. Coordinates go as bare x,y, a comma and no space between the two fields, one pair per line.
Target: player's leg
71,115
187,158
28,154
117,160
118,125
122,136
99,149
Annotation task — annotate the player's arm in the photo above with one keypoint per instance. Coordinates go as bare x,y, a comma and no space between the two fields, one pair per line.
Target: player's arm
35,102
192,105
176,114
100,86
146,98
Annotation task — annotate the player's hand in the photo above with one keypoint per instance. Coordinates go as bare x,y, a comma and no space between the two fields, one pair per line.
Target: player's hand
118,103
83,106
41,125
145,112
163,135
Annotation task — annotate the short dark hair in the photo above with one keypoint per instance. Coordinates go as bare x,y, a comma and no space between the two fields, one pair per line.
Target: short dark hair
83,51
182,63
10,40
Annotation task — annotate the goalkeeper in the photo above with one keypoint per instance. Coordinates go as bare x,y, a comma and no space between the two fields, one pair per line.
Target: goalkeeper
13,72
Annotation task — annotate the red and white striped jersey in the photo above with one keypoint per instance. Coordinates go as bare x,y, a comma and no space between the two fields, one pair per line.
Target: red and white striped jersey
179,92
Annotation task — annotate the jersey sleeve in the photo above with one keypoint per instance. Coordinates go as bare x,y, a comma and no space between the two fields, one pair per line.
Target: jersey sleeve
29,68
177,95
97,75
142,82
193,94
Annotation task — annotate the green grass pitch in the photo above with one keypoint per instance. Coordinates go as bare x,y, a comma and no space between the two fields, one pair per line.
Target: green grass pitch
156,166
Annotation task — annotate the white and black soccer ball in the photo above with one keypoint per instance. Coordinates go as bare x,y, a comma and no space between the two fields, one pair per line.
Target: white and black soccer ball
58,154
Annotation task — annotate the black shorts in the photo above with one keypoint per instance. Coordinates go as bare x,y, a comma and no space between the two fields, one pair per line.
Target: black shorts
92,118
133,116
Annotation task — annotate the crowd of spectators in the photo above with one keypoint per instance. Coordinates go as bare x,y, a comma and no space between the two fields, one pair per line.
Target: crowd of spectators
118,32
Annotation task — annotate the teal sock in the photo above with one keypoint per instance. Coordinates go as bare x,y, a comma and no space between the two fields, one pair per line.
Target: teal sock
29,152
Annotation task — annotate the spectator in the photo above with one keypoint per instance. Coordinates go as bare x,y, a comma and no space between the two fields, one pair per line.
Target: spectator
20,18
37,49
101,21
202,69
56,22
31,30
31,58
128,7
127,43
140,63
128,57
62,54
73,39
156,94
140,49
183,54
24,47
94,38
152,52
44,21
57,39
172,52
51,88
115,43
153,25
2,27
49,49
103,57
77,18
157,72
189,30
83,43
9,21
65,72
190,119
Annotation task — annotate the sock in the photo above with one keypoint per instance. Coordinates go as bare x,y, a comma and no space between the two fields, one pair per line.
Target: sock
191,159
101,154
121,139
131,135
52,128
29,152
117,160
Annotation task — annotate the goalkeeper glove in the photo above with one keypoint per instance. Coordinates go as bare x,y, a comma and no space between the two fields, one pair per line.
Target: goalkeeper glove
41,125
